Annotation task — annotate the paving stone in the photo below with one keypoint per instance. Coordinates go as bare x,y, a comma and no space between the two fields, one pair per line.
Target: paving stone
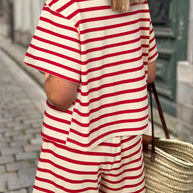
10,124
26,156
20,183
20,143
8,176
32,148
37,124
4,144
11,151
30,189
23,137
2,186
20,127
33,131
5,139
6,159
19,191
37,140
27,173
6,120
2,169
3,129
19,165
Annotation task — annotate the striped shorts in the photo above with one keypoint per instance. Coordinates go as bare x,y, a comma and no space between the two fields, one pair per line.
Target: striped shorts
115,165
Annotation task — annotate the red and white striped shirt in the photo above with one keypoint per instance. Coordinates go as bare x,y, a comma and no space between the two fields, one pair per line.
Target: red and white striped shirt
107,54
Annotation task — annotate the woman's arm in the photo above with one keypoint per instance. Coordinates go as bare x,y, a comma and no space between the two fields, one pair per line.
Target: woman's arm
151,72
60,92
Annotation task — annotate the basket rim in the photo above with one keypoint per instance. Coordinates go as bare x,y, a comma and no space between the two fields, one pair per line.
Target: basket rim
170,157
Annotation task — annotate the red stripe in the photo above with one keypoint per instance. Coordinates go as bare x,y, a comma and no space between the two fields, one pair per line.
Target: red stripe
66,179
58,34
152,48
86,125
123,179
137,160
136,144
151,40
58,24
103,28
57,119
145,37
67,169
124,171
150,58
117,144
90,153
72,161
57,140
123,187
77,151
52,62
109,105
134,161
62,131
43,189
117,73
63,188
114,35
111,55
88,9
121,82
52,2
111,46
91,163
47,51
110,95
65,6
139,151
102,18
53,12
109,65
145,45
56,44
51,72
118,113
118,131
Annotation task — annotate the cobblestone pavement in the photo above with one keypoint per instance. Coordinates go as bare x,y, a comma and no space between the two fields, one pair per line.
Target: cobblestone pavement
21,105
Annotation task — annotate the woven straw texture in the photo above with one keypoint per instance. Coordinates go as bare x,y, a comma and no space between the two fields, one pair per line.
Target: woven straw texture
172,170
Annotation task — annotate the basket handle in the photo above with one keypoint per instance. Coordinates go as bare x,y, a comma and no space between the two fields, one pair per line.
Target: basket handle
151,88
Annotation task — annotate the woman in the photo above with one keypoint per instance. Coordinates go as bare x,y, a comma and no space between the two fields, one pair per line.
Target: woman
97,60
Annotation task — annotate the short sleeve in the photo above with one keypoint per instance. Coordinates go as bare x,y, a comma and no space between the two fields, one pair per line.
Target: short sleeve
55,46
153,53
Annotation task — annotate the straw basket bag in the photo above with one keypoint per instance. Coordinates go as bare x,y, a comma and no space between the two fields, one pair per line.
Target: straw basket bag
168,163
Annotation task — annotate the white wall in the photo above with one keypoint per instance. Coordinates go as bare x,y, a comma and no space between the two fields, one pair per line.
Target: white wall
26,16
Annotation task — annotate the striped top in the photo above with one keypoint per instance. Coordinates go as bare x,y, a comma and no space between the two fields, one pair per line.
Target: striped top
107,55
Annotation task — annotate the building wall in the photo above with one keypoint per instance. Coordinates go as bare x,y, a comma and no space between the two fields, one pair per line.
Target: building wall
26,14
4,18
185,88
